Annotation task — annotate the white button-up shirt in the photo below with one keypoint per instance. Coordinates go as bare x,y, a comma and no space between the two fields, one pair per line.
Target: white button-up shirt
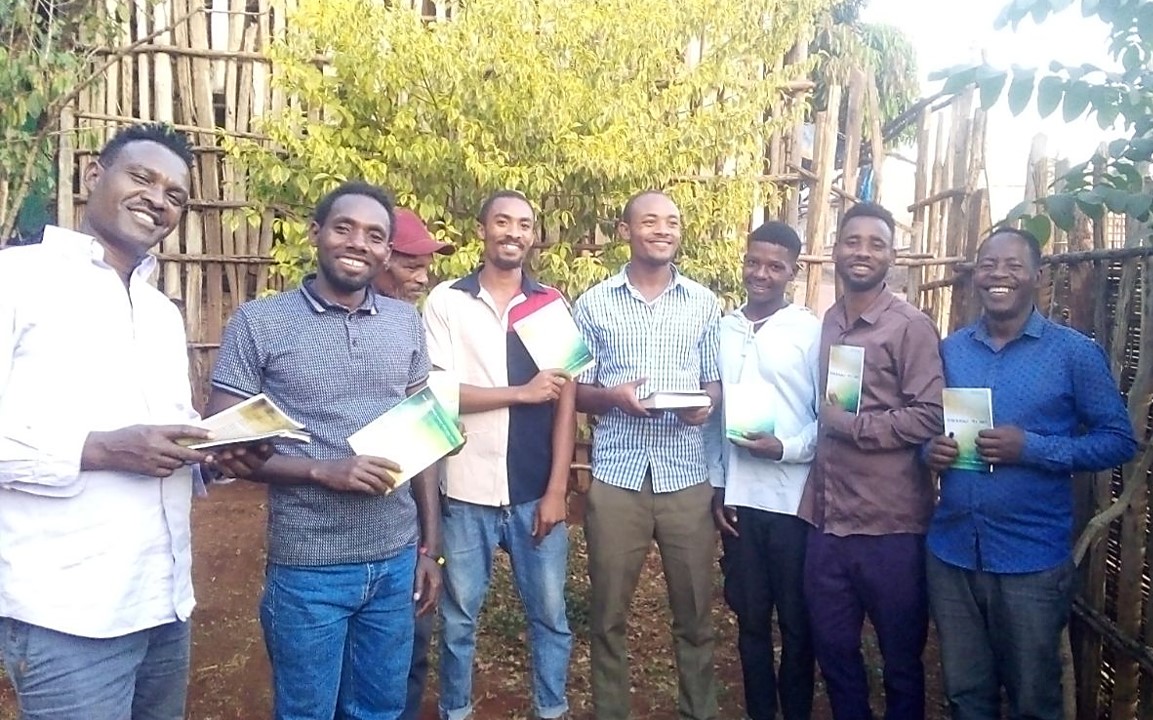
94,554
782,354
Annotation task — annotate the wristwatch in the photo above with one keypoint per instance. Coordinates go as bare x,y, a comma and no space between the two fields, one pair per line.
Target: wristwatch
438,559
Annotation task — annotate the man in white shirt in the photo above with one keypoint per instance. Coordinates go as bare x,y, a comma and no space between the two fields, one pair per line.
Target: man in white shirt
95,490
769,355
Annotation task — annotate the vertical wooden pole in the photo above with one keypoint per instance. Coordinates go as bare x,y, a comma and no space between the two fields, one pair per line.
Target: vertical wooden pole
816,222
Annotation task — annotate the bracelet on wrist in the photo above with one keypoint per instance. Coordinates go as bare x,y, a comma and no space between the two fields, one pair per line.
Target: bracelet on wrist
438,559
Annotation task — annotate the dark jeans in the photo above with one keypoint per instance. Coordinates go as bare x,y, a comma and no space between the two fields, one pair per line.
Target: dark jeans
764,569
1001,630
418,671
882,576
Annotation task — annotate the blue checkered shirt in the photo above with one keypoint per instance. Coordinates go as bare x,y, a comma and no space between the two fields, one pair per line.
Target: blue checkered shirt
335,371
673,342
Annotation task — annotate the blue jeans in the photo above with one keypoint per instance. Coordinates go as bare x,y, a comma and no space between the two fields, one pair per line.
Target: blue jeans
472,533
339,638
142,676
1001,630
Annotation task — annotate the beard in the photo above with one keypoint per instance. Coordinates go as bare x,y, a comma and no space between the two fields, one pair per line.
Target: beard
340,281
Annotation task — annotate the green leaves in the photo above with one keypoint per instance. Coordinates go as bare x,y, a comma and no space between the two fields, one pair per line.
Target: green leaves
1049,93
567,108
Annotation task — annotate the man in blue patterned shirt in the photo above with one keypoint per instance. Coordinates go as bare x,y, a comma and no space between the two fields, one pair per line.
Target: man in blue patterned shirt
1000,573
650,329
337,611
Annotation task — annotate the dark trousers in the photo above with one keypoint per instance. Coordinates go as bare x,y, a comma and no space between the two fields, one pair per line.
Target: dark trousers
1001,630
418,672
882,576
764,569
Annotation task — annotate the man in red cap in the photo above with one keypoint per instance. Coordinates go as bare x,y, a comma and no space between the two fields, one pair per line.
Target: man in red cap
405,275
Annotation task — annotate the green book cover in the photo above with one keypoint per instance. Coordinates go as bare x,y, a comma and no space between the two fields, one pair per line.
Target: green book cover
748,409
968,411
553,340
846,369
414,434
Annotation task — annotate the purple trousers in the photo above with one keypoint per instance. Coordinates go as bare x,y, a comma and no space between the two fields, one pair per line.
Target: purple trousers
882,576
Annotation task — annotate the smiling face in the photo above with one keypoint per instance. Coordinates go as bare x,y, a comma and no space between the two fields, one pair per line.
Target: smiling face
507,232
767,270
653,230
353,242
1006,276
136,200
863,253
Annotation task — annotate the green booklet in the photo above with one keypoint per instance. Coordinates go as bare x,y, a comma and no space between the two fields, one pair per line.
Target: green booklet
968,411
413,434
748,409
553,340
846,369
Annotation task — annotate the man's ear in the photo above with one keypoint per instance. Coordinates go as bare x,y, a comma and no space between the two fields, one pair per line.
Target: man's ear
91,175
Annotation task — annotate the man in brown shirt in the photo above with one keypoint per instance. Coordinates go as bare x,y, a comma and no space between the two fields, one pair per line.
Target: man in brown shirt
869,498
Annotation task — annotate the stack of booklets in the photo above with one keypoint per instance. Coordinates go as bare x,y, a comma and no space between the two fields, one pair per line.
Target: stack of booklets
414,434
968,411
748,409
254,420
846,370
676,400
553,340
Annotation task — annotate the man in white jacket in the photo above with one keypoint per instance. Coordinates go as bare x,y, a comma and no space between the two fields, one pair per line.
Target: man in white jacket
759,448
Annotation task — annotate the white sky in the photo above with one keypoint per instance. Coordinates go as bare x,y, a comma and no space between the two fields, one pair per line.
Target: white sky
950,32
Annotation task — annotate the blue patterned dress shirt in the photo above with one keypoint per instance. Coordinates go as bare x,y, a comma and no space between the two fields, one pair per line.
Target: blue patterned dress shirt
1055,384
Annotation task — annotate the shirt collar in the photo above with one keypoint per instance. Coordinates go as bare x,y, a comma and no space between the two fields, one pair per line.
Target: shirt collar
320,304
621,279
1034,327
79,245
471,284
872,313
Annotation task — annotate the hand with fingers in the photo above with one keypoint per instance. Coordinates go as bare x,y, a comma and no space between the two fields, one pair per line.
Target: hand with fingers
1001,445
724,516
625,398
764,446
942,452
358,474
151,450
544,387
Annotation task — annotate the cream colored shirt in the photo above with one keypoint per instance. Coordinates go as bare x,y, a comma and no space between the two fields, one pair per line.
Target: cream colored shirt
94,554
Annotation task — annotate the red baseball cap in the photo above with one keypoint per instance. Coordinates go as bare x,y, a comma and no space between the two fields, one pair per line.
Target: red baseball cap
411,237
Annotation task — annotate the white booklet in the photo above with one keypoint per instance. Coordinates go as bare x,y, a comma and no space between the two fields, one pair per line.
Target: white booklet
255,419
968,411
748,409
846,370
675,400
553,340
445,386
414,434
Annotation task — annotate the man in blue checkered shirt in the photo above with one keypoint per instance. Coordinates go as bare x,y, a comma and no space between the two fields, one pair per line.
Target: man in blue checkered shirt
337,611
651,330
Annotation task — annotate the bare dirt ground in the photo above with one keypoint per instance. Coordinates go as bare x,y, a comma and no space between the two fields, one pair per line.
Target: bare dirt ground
230,676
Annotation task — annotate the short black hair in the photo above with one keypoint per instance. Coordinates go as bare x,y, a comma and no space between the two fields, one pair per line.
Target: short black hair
626,214
868,210
159,133
486,206
356,187
1024,236
778,233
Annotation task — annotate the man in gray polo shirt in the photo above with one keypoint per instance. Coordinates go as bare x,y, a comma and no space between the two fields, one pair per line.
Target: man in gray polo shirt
337,610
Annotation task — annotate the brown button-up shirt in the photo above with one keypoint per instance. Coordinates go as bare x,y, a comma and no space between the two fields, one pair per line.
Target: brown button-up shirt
867,478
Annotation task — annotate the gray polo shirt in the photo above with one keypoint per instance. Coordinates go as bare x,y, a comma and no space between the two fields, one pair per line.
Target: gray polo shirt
335,371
